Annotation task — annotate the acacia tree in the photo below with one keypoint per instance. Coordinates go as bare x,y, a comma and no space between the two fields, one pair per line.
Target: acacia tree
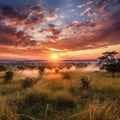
8,76
41,70
110,63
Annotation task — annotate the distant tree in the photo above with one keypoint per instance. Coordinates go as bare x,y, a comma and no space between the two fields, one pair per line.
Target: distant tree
110,63
8,76
20,67
68,66
56,70
41,70
118,65
2,68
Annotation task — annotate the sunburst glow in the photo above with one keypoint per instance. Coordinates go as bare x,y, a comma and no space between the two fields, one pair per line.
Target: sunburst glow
55,56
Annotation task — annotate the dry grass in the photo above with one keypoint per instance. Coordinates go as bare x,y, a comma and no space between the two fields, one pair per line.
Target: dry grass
65,98
108,110
102,80
5,112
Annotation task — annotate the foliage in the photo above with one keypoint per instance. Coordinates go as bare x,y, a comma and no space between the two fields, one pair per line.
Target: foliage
3,68
110,63
41,70
85,82
20,67
28,82
8,76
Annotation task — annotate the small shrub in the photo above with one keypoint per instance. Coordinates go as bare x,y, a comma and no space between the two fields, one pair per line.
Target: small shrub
85,82
8,76
28,82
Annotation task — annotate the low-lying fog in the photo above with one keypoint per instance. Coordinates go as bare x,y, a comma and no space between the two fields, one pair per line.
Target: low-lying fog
35,72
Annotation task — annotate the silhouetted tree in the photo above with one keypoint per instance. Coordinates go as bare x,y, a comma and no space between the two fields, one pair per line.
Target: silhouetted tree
21,67
110,63
56,70
41,70
2,68
8,76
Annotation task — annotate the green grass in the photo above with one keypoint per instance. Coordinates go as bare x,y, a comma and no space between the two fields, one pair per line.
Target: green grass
60,95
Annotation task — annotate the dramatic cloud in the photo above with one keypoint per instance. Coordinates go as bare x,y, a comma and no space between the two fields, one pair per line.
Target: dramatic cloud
38,28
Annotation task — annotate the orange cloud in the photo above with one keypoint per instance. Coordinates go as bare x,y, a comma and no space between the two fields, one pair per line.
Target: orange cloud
34,31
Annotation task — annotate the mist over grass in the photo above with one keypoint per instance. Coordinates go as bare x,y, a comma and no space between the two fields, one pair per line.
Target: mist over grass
35,72
29,73
91,68
59,96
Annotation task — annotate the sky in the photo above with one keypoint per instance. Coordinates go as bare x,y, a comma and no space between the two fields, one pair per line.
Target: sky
70,29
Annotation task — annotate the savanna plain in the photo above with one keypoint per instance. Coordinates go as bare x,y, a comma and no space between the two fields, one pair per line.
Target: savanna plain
59,92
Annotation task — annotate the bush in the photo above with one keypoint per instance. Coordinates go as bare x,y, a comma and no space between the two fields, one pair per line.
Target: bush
8,76
28,82
85,82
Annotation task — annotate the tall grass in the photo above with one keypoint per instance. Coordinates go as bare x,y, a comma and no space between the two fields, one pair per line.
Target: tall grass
59,97
6,113
108,110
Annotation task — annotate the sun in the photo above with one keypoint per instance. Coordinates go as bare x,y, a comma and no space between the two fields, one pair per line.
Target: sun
55,56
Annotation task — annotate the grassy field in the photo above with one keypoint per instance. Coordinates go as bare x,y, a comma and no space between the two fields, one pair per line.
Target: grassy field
58,96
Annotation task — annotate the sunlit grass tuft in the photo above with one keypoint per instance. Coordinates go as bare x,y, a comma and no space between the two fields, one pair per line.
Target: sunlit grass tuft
107,110
6,113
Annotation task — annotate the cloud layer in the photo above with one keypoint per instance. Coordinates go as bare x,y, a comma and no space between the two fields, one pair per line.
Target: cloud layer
37,29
